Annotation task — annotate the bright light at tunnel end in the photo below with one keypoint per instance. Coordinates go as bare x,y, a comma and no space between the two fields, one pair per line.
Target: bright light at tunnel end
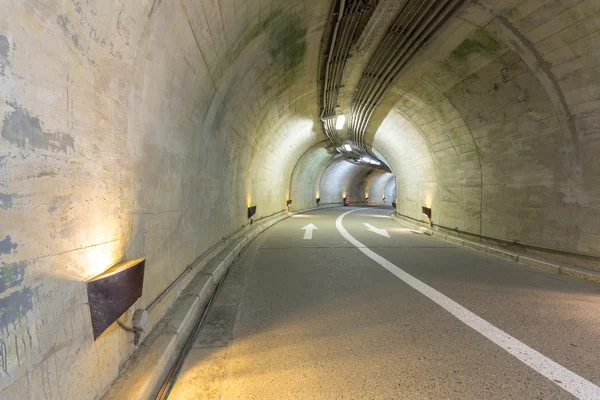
347,147
339,122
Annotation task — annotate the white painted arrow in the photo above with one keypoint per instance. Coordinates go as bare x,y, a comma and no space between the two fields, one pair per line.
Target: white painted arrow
381,232
308,229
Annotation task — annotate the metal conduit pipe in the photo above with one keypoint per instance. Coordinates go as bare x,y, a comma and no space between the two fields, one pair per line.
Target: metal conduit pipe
408,45
385,50
374,83
345,43
398,46
346,33
323,58
386,47
331,48
391,77
345,30
440,18
339,58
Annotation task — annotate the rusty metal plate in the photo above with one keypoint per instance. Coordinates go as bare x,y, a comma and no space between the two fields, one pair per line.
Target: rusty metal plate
113,292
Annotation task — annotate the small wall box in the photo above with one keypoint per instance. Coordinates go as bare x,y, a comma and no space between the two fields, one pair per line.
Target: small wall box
426,212
113,292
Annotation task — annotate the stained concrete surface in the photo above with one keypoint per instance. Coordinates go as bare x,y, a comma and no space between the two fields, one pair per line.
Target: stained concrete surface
316,319
146,128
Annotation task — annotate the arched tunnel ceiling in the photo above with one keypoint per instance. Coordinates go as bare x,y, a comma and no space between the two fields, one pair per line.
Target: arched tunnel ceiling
147,129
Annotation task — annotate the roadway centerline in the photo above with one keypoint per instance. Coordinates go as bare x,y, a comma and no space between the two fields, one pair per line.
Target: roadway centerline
561,376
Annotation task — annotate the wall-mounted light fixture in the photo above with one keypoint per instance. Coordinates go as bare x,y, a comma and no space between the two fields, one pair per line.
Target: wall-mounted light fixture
367,199
426,212
111,293
289,202
340,121
318,200
251,211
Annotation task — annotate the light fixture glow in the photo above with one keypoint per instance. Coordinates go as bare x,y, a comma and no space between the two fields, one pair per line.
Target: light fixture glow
347,147
340,121
374,162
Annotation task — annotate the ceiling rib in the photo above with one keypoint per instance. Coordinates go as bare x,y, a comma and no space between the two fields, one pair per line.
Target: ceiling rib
413,28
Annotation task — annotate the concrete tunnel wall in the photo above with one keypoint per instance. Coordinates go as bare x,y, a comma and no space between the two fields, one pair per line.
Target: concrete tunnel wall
146,129
342,179
495,125
140,129
381,184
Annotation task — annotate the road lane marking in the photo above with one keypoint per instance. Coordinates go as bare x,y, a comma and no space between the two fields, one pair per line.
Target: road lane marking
556,373
308,230
381,232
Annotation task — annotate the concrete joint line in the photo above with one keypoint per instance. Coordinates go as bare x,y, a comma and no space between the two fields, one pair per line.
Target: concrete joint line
571,382
578,273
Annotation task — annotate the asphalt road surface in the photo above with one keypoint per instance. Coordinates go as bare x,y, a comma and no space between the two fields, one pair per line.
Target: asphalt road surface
351,313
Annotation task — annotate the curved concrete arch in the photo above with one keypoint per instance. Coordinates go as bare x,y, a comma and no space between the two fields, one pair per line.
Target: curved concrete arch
376,185
390,191
305,183
407,151
496,99
342,178
145,129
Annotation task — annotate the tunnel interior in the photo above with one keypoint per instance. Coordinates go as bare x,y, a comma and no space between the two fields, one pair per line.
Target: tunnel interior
148,128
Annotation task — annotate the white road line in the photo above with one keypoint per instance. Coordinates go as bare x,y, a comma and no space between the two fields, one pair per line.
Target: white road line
566,379
381,232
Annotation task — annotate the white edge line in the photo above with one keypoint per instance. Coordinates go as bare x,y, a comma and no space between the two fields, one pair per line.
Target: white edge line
556,373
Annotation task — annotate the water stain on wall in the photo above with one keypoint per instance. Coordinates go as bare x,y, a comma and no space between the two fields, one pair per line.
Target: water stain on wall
7,246
25,130
4,50
58,203
6,201
288,47
68,28
480,43
12,309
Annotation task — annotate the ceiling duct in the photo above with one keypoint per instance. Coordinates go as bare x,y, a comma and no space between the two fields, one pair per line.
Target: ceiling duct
416,23
346,22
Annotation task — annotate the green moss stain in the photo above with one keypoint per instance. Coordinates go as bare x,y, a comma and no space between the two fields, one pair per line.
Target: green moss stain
517,47
287,48
480,43
12,275
285,34
251,33
514,14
